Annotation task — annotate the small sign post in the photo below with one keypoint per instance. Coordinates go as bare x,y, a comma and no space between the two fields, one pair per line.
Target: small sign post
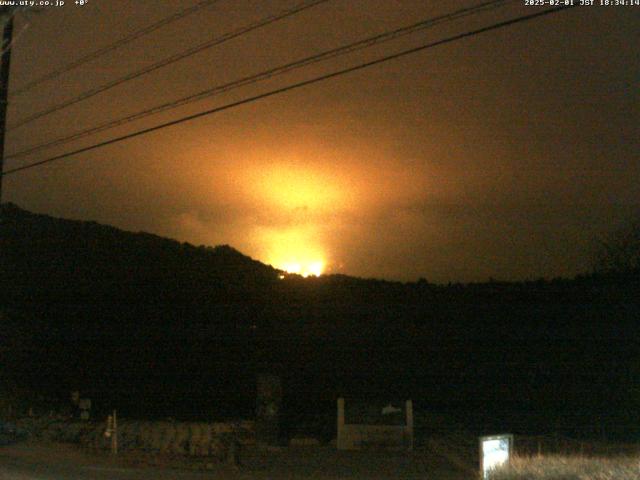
495,452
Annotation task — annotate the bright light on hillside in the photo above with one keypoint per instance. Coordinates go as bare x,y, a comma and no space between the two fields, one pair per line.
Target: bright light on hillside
295,250
306,269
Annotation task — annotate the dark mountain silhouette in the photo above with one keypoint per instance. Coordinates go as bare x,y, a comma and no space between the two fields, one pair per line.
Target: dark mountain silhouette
162,328
48,258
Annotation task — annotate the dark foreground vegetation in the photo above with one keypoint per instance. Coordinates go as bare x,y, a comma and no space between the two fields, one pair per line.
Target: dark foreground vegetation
158,328
571,468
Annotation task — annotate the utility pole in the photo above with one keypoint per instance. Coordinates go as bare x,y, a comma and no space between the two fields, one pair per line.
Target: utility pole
6,13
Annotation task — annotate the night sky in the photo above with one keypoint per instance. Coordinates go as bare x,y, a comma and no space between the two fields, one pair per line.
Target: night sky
504,155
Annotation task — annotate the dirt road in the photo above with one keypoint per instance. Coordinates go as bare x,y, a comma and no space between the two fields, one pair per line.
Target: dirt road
62,462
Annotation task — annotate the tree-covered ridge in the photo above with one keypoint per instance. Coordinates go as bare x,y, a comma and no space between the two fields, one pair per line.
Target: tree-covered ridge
92,307
46,256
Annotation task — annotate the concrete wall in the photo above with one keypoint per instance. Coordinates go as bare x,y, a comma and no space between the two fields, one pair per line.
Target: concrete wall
358,436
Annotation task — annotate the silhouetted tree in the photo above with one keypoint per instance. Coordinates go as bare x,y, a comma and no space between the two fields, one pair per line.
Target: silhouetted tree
620,251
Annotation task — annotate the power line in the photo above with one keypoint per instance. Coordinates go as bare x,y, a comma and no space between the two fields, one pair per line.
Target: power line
172,59
123,41
322,56
294,86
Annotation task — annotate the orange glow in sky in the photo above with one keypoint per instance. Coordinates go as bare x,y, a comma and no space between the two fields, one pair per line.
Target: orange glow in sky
395,172
289,186
299,197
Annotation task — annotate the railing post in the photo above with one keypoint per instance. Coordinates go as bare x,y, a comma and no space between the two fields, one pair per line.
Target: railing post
340,437
409,414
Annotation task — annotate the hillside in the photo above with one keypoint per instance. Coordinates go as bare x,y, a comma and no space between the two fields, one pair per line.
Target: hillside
48,258
162,328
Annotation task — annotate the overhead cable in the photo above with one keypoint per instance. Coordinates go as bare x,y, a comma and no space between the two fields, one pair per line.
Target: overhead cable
291,87
113,46
272,72
168,61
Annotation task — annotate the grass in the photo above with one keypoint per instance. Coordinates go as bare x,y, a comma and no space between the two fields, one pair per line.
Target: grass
551,457
564,467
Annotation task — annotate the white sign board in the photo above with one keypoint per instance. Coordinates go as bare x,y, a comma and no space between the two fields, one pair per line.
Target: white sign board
495,452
